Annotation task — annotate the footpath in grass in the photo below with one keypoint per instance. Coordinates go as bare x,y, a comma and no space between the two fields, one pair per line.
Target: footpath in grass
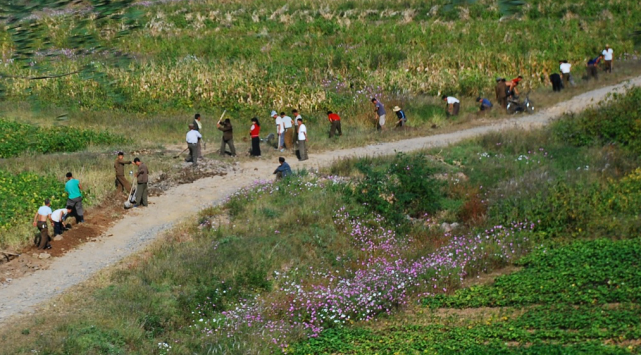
306,264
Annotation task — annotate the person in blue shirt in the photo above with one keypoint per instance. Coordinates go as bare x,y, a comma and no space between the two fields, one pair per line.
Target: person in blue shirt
486,105
402,119
283,169
74,198
593,65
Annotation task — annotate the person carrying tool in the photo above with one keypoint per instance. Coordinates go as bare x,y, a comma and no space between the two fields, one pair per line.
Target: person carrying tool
40,221
228,137
58,218
198,126
74,197
400,114
254,133
453,105
379,110
122,184
335,124
283,169
501,92
302,140
142,177
288,136
192,139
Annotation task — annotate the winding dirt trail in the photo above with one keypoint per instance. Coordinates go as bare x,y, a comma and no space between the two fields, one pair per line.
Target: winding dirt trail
141,227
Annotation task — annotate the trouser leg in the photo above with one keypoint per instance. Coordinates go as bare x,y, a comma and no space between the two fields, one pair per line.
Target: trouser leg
57,228
302,147
455,109
123,183
279,175
193,153
199,148
141,194
332,127
44,235
145,193
232,148
338,128
222,147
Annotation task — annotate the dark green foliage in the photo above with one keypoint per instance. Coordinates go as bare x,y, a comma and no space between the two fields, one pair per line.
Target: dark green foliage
584,272
618,123
17,138
404,186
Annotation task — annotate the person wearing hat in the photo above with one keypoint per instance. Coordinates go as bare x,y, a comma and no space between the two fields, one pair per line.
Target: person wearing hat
335,124
122,184
608,56
142,177
501,92
402,119
228,137
453,105
486,105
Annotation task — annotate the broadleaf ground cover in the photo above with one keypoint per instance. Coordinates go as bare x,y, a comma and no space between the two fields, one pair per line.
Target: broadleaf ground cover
298,267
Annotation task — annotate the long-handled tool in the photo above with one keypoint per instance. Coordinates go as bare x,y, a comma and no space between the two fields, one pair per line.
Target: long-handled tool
181,153
128,203
221,117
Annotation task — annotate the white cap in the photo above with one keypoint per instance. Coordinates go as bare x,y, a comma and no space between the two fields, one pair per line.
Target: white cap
274,113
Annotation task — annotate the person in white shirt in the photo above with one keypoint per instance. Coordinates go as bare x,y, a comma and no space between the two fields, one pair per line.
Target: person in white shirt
608,56
302,140
40,221
453,105
279,130
296,117
58,217
192,144
565,68
289,132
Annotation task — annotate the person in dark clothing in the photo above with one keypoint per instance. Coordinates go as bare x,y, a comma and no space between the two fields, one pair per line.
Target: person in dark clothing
400,114
228,137
254,133
122,184
592,67
557,82
501,92
335,124
141,189
486,105
283,169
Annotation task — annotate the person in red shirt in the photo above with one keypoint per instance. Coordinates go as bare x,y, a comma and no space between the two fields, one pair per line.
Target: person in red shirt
511,85
254,133
335,122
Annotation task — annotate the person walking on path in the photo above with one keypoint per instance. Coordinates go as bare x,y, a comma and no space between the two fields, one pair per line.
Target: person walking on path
283,169
565,69
501,92
254,133
608,57
289,131
74,197
334,124
40,221
192,139
453,105
400,114
379,110
302,140
142,177
592,66
228,137
122,184
198,126
486,105
58,218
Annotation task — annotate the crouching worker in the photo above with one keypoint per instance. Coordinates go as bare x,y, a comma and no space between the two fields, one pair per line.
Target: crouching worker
453,105
58,218
40,221
283,169
400,115
486,105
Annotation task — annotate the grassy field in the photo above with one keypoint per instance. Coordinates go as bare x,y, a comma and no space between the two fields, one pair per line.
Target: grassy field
317,263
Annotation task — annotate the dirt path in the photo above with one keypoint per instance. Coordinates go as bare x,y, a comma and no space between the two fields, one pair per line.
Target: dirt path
140,227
